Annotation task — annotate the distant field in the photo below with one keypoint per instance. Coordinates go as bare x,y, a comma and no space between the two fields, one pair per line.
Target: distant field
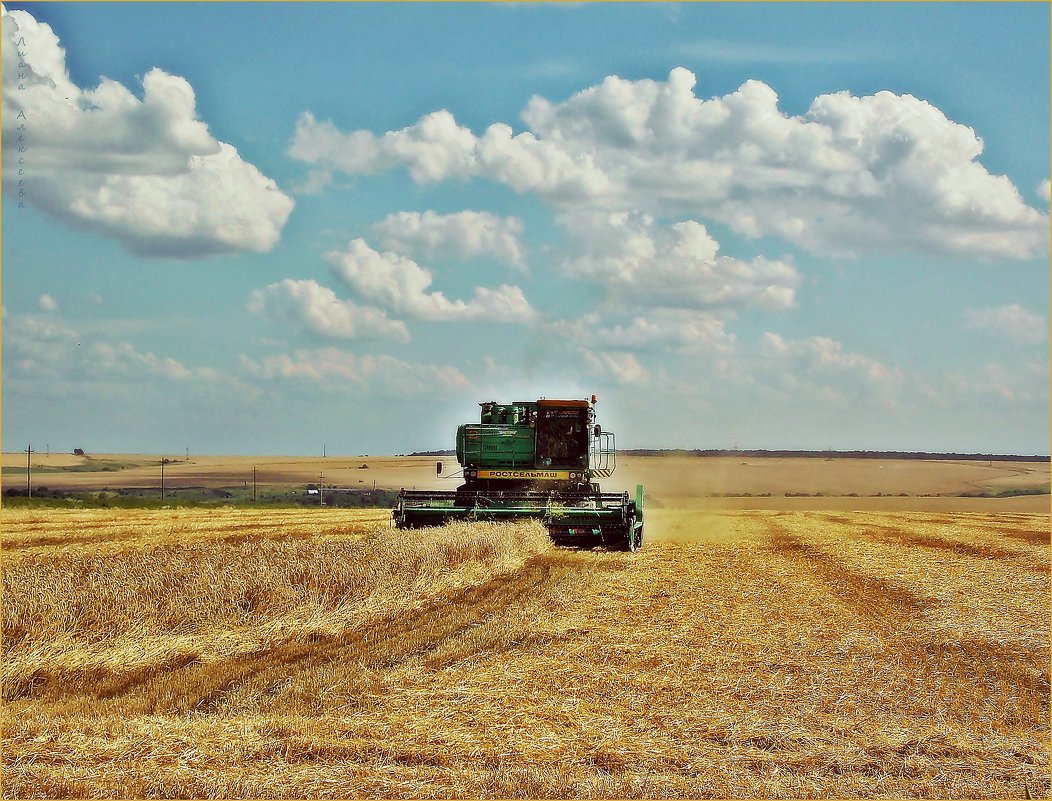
671,481
318,653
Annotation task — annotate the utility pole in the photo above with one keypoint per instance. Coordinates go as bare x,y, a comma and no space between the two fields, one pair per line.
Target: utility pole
29,470
253,485
321,489
163,460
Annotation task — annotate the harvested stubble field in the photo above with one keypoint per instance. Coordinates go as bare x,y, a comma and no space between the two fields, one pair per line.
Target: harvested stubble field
318,653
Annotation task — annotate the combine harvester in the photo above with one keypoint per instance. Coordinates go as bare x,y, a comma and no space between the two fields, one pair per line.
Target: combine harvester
535,459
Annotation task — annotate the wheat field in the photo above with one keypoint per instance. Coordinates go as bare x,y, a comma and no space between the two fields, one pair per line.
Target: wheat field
320,653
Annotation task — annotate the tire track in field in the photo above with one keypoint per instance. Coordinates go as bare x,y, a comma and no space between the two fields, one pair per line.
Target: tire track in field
232,534
1030,537
182,684
893,536
896,535
235,535
869,597
961,671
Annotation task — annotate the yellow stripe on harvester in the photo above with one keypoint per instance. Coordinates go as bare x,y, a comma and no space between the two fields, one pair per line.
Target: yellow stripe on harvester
530,474
600,473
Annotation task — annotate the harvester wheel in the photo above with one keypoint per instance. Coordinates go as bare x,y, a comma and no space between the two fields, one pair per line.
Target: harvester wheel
631,542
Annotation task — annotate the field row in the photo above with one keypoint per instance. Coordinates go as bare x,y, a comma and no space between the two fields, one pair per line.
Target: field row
43,531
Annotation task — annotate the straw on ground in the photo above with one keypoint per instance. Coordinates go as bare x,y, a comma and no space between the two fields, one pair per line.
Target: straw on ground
315,653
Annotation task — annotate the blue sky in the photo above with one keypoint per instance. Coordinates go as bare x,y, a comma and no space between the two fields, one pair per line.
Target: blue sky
261,228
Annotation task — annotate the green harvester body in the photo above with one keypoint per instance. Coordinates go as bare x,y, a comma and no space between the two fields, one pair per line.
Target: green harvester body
535,459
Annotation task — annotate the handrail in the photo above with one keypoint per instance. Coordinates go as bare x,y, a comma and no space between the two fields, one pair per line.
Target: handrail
603,452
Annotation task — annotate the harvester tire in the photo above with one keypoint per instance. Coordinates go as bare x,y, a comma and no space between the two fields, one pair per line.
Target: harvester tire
631,541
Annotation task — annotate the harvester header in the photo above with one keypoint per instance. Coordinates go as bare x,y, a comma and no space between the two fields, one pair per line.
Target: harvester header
535,459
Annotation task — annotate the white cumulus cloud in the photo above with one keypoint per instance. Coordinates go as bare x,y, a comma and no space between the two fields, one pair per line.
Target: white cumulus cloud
47,303
823,353
852,174
1025,384
822,367
1010,320
437,148
465,234
675,266
317,309
144,171
372,373
43,347
676,330
124,359
400,285
619,366
37,344
322,143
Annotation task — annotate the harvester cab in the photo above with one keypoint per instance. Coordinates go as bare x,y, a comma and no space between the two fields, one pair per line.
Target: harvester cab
538,459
